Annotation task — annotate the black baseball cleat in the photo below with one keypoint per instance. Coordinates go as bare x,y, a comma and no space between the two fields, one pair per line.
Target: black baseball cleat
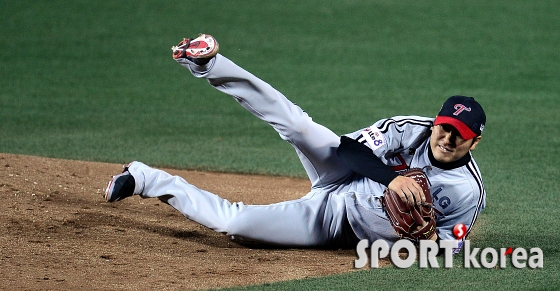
120,187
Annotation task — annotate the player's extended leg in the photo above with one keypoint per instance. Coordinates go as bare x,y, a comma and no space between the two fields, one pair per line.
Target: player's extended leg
318,219
315,144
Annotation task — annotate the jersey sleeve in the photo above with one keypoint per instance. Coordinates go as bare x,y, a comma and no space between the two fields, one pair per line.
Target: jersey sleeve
395,134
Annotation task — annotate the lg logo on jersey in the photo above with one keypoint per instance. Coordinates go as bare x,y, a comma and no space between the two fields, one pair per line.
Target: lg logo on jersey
428,250
443,201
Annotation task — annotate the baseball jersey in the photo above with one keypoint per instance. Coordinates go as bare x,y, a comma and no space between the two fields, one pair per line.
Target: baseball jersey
403,142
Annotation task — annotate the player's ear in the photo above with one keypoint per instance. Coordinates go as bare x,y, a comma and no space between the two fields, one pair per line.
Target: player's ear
476,140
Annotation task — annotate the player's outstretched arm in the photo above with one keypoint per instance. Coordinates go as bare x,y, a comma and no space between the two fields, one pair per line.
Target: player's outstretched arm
363,161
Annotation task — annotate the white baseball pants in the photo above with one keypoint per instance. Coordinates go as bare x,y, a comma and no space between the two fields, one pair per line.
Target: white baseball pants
317,219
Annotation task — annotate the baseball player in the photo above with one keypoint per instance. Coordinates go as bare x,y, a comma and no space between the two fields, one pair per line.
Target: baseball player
348,174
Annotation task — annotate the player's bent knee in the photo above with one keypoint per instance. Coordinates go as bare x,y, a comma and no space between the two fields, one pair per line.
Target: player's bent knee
295,127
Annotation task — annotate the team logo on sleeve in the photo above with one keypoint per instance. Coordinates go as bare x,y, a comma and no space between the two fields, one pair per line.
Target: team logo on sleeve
374,137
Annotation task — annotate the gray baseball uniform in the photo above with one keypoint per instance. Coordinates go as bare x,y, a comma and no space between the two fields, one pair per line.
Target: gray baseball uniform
402,142
342,206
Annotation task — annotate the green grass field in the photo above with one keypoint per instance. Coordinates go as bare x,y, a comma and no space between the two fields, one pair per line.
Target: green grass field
94,80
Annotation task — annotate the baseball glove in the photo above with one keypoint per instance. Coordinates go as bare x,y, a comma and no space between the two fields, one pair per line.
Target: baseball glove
407,220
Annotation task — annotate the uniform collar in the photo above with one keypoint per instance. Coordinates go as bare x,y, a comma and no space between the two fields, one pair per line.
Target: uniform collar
448,166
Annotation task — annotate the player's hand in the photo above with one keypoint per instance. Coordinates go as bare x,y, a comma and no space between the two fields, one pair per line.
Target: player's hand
409,191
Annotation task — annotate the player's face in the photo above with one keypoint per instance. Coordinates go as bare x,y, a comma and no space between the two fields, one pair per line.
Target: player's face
447,144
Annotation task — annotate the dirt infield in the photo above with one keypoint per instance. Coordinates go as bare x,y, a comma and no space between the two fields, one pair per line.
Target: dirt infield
58,233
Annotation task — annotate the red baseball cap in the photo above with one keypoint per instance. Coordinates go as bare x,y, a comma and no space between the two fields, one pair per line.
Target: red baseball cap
463,113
